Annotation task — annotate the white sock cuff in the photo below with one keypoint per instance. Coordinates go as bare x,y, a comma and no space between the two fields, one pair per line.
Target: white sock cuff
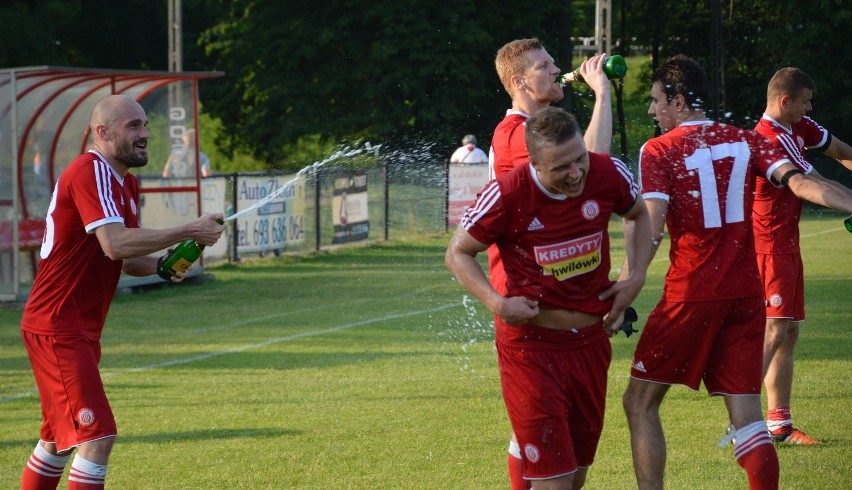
515,449
749,437
747,432
52,459
83,465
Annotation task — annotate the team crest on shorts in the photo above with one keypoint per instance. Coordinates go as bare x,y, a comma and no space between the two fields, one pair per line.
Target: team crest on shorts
86,416
775,300
531,452
591,209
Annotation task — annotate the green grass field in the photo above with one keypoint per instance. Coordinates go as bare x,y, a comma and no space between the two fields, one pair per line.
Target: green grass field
367,367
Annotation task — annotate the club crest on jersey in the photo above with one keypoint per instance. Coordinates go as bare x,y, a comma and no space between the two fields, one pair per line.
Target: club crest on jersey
133,206
86,416
591,209
775,300
531,452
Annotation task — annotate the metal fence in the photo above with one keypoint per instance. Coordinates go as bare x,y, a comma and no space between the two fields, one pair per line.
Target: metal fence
402,200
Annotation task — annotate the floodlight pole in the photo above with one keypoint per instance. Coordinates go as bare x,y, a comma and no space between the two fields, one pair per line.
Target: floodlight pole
175,36
603,25
717,64
175,50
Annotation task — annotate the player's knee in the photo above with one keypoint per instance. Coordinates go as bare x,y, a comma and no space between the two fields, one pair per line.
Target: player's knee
631,404
97,451
777,330
792,333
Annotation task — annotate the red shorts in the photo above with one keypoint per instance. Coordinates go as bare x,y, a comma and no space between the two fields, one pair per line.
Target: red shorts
783,277
555,397
719,342
74,406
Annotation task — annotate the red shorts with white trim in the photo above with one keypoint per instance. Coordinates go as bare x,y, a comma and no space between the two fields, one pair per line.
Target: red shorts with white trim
555,397
783,277
73,402
718,342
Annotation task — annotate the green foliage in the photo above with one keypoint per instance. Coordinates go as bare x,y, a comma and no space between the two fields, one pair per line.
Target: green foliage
360,69
31,33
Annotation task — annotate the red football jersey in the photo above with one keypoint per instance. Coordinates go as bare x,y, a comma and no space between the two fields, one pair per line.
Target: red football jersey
555,249
776,209
508,147
508,150
76,281
706,171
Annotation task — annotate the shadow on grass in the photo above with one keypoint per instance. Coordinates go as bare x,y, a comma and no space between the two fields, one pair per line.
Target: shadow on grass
205,435
251,359
185,436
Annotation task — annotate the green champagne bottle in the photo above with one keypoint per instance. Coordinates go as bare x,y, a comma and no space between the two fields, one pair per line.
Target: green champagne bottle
614,67
848,223
182,256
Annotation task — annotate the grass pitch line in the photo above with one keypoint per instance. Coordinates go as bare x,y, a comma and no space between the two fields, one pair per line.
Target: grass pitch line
287,313
265,343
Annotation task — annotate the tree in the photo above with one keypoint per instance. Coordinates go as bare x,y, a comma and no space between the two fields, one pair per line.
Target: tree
405,69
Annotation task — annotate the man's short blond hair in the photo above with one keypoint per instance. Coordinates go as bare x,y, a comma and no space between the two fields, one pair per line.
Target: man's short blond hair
789,81
512,59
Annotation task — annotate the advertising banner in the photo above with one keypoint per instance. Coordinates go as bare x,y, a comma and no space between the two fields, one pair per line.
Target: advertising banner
276,224
465,183
349,208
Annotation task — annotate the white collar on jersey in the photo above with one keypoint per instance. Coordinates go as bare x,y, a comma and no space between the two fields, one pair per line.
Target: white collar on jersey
119,178
559,197
773,121
513,112
696,123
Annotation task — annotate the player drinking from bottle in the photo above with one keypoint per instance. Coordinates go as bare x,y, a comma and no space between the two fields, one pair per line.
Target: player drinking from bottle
698,179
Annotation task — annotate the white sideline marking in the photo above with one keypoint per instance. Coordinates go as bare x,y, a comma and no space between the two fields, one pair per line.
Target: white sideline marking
256,345
256,319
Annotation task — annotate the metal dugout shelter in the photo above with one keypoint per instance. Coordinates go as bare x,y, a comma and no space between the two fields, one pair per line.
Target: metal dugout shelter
44,118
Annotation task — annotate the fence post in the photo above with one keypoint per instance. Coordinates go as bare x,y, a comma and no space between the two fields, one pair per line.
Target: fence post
235,229
446,196
317,190
387,198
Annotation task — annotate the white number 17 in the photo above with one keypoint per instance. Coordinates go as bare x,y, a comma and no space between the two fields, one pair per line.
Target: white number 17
702,161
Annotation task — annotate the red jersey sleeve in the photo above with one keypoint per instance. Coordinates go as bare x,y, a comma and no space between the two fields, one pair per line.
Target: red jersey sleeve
813,135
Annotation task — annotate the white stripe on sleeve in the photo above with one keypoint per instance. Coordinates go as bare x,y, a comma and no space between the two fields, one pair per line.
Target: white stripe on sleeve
485,202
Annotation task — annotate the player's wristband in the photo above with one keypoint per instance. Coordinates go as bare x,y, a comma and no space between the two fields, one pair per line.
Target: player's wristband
790,173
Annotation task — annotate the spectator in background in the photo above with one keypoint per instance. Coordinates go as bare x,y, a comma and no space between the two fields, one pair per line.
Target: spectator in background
468,152
776,238
181,163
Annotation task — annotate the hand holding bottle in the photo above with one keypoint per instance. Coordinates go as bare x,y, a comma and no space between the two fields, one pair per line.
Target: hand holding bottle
207,229
612,67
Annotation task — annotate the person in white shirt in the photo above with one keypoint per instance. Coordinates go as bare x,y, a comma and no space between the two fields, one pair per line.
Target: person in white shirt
468,152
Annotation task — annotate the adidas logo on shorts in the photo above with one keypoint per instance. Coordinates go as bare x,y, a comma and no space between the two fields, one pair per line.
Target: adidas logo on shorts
639,366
